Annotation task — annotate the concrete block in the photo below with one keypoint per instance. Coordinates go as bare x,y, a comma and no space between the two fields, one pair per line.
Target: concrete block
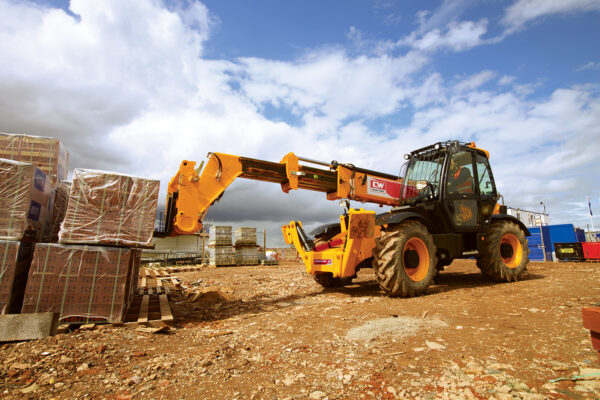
17,327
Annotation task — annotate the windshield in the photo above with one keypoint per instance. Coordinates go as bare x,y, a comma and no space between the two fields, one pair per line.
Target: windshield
426,169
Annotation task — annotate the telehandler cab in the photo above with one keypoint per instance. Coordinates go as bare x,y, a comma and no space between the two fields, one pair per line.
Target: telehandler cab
444,206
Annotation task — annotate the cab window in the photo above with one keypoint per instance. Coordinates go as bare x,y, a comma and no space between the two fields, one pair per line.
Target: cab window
460,173
486,185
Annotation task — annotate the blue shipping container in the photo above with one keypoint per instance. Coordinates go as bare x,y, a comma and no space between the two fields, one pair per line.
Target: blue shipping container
536,247
564,233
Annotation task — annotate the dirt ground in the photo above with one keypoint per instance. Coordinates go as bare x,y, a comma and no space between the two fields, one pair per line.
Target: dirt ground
271,332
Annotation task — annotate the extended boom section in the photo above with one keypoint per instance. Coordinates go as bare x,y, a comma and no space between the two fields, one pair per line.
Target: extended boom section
193,190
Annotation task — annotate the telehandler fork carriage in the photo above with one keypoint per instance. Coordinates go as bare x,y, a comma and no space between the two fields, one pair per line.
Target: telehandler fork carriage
444,206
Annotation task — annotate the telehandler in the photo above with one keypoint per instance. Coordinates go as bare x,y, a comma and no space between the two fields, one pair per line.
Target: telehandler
444,206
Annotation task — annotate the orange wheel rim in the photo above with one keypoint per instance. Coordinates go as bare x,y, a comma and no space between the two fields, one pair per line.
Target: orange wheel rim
417,269
510,250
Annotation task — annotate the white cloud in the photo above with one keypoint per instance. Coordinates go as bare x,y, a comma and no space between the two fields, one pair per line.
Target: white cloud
474,81
589,66
457,36
522,12
506,80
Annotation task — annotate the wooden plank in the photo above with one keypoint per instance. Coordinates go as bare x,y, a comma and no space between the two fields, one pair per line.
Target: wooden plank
174,282
149,290
144,282
144,309
165,309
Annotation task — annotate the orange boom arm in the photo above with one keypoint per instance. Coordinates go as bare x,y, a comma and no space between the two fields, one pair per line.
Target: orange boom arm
192,191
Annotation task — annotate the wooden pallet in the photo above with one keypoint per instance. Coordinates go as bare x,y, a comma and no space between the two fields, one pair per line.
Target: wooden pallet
170,270
161,283
150,309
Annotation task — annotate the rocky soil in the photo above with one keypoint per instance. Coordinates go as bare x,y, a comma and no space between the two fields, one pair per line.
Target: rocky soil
273,333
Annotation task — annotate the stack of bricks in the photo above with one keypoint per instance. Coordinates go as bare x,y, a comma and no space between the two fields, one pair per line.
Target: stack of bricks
48,154
82,283
24,195
220,248
92,274
246,249
107,208
32,173
81,277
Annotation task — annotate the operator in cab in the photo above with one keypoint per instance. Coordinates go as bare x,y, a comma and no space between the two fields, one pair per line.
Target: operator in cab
460,179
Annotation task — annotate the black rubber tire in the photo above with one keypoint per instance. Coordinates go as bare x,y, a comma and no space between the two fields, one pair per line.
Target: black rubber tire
490,260
389,259
327,280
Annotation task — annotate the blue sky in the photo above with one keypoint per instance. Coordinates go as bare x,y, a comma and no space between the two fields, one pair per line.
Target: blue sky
138,86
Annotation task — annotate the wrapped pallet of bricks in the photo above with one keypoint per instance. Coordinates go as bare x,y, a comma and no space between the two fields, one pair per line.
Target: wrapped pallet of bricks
82,283
59,209
48,154
219,236
246,255
24,194
245,236
15,259
246,250
220,250
107,208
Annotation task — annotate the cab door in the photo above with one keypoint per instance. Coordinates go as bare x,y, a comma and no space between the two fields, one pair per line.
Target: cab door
460,192
487,188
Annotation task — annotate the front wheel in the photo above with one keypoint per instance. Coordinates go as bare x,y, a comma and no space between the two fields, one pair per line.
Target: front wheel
404,259
327,280
504,253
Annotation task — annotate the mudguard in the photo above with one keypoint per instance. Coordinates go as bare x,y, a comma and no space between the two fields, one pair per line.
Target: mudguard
397,217
499,217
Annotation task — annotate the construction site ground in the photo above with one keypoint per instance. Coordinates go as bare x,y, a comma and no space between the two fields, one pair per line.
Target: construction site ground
271,332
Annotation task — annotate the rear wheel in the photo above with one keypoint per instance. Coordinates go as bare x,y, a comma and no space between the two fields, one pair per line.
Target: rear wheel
404,259
504,253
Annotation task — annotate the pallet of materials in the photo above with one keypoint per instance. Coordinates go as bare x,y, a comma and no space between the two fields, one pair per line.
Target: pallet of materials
108,208
221,255
245,236
219,236
82,283
57,208
246,255
48,154
15,259
24,194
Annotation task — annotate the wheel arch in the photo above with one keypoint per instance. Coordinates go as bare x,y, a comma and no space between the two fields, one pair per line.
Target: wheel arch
506,217
398,217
